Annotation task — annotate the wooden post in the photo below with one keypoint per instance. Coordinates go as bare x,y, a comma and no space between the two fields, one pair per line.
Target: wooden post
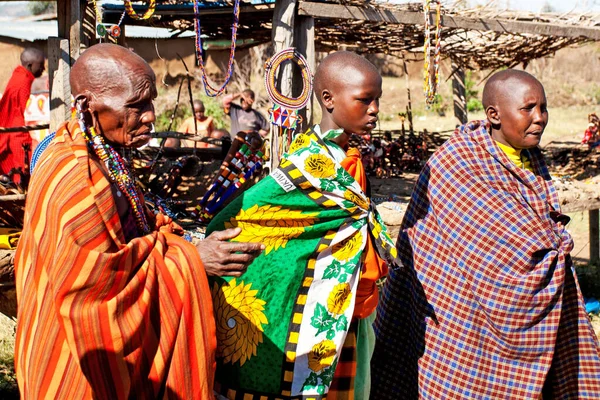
409,105
63,51
305,44
121,40
60,88
69,25
594,237
459,93
282,38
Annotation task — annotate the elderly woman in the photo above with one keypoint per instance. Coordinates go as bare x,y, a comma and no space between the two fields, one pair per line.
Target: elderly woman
488,306
113,304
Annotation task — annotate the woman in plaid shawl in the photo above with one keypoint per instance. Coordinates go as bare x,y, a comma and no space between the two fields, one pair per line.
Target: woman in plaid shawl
489,305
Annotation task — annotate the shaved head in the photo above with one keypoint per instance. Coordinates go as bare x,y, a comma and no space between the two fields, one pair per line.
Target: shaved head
113,89
33,60
338,68
515,105
30,55
107,70
502,84
348,88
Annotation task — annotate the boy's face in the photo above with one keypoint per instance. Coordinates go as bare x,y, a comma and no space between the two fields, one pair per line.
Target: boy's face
522,113
356,102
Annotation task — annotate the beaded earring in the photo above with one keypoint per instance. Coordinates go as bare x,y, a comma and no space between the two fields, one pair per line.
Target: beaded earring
118,171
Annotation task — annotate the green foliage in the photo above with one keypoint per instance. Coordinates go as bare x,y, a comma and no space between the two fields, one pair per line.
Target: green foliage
215,110
439,105
162,120
212,106
470,91
595,94
472,94
41,7
474,105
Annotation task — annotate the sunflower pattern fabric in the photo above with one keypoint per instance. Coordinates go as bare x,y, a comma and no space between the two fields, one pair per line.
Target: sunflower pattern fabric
282,324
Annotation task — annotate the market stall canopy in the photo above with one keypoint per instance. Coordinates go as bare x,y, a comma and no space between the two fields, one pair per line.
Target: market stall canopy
477,38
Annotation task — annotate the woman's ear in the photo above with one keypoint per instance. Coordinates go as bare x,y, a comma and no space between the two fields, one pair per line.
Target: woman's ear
82,102
492,115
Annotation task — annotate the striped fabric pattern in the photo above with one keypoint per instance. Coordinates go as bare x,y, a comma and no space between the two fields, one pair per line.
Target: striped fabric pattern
98,316
489,305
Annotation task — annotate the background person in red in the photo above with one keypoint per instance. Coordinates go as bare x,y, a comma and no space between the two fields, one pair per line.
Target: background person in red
12,109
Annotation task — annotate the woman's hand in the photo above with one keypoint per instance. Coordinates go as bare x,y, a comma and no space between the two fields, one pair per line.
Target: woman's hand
223,258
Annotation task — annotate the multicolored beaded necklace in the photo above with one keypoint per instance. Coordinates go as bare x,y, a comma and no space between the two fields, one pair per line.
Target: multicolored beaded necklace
118,171
208,88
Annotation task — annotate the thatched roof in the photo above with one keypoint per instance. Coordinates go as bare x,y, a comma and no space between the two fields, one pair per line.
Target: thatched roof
482,38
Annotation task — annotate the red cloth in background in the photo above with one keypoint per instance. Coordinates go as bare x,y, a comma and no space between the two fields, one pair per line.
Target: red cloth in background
12,111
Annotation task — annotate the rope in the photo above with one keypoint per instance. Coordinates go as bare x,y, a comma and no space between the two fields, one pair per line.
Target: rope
26,128
431,80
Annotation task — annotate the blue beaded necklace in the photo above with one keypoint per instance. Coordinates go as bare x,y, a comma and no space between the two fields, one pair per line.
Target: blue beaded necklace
118,171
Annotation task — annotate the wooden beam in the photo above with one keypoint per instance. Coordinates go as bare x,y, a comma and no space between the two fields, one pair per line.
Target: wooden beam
459,93
406,17
282,38
60,89
594,237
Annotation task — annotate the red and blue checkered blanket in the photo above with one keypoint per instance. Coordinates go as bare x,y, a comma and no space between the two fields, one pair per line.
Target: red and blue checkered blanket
489,305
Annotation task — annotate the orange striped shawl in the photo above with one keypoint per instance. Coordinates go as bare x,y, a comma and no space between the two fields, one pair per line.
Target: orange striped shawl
99,317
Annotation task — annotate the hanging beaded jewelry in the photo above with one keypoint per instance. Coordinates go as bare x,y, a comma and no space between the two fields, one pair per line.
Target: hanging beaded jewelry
232,175
431,80
117,170
101,29
208,88
284,114
271,68
149,12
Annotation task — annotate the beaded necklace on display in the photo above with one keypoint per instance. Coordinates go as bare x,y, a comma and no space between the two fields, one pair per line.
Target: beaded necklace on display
208,88
117,171
149,12
284,115
101,29
232,175
431,80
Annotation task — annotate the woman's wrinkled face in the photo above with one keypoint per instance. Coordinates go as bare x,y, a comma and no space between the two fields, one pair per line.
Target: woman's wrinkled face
125,114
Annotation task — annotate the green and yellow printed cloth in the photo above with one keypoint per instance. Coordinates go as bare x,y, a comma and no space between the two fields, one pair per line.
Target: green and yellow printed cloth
281,325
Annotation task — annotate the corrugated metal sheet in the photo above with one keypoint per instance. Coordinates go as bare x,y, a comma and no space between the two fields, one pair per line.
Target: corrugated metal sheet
41,30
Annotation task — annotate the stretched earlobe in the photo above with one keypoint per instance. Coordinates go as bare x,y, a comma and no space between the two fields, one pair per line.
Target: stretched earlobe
82,103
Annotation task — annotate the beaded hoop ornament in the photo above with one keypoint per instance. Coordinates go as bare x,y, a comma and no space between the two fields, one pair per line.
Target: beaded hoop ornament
431,80
208,88
118,171
284,113
271,67
131,12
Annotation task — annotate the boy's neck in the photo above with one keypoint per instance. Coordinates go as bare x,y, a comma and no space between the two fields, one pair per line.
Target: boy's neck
327,125
342,140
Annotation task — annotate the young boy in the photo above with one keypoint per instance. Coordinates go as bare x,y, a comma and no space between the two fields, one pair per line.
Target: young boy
298,321
488,306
